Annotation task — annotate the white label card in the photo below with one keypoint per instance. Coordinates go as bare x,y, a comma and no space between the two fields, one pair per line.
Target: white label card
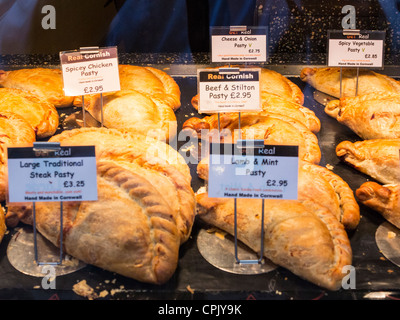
238,44
70,175
229,91
89,73
363,50
268,172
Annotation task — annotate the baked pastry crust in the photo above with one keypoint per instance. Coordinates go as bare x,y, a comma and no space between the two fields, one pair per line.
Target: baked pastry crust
272,82
327,80
14,130
125,146
151,81
3,227
311,243
378,158
383,199
146,80
134,111
317,182
42,115
46,83
144,212
273,128
370,116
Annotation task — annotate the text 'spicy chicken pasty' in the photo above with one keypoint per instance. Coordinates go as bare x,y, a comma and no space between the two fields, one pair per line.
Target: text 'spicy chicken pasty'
135,111
41,115
46,83
272,82
327,80
383,199
304,238
370,116
273,128
378,158
144,212
14,131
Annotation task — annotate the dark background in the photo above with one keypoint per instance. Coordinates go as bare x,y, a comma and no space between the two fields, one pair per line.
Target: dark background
182,26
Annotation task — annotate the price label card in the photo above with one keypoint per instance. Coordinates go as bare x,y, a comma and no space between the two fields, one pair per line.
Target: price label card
364,49
238,44
229,90
70,175
90,72
267,172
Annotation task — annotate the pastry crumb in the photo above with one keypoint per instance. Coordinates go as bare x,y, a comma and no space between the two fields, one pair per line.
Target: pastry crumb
391,235
329,166
83,289
189,289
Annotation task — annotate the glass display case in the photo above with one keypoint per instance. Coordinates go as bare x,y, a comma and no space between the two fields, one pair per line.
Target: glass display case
174,36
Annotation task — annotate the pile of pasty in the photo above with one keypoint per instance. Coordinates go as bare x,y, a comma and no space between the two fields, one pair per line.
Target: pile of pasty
144,212
305,236
370,116
327,80
273,128
45,83
145,104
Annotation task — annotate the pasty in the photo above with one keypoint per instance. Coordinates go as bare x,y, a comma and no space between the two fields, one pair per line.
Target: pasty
134,111
14,130
144,212
151,81
317,182
327,80
273,128
3,227
46,83
125,146
42,115
272,82
303,238
383,199
147,80
378,158
370,116
274,104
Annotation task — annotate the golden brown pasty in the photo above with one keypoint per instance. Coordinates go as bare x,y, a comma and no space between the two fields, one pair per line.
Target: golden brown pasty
144,212
274,104
327,80
383,199
370,116
273,128
304,238
14,130
131,229
46,83
114,143
317,182
135,111
3,227
151,81
42,115
378,158
147,80
272,82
